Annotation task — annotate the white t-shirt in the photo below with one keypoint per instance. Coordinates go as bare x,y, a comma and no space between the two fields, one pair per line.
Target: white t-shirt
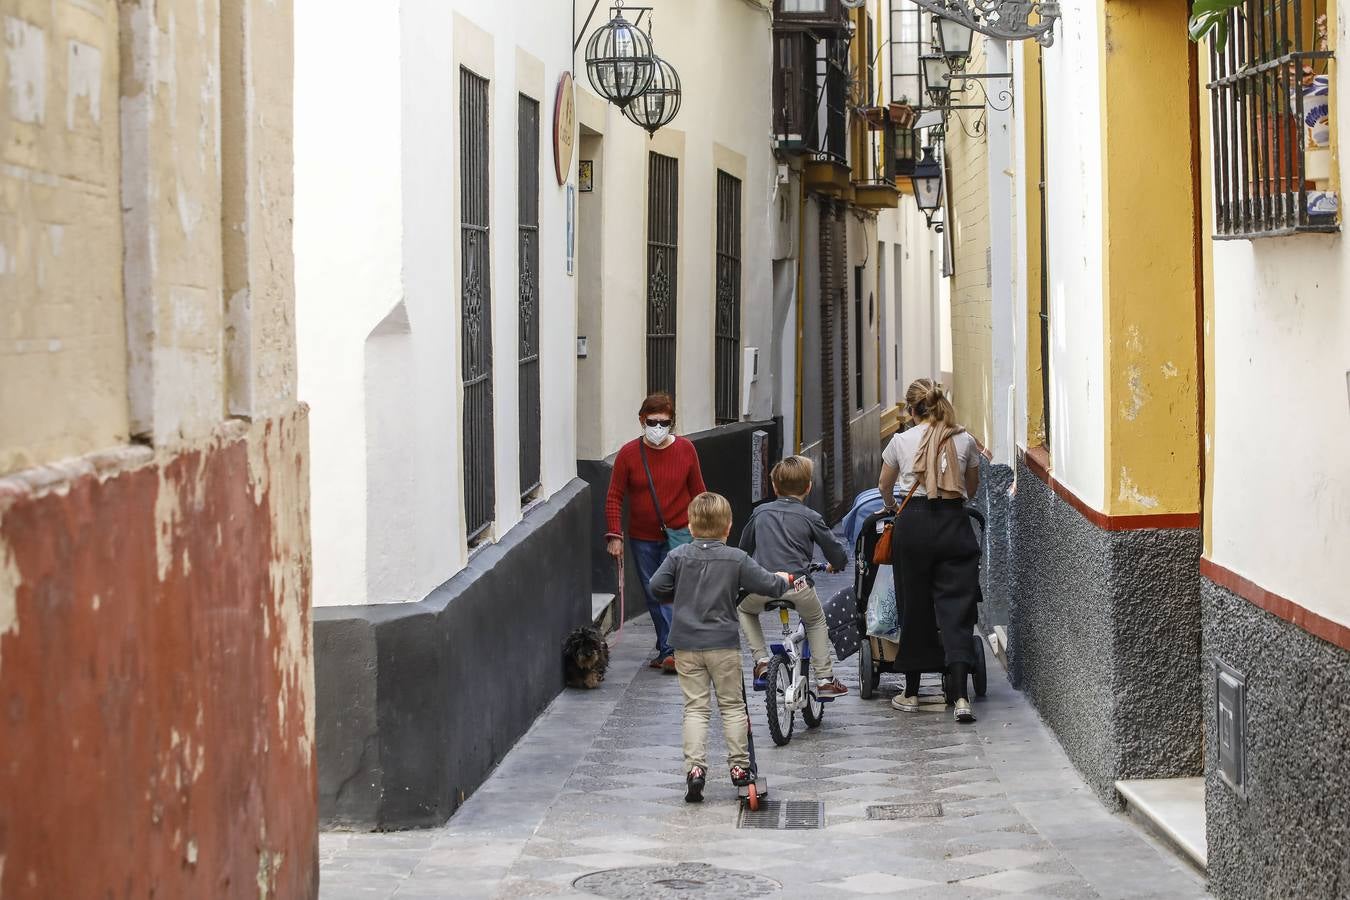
904,447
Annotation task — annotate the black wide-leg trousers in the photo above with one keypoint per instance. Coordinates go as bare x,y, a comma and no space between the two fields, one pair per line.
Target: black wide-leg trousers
936,560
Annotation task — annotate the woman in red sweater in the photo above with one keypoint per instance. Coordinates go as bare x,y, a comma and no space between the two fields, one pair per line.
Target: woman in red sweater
675,479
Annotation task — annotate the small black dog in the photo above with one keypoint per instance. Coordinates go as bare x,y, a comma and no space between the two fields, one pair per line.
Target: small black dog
585,657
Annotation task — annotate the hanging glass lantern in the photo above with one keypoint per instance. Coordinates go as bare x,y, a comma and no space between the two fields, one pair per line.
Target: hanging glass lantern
955,39
619,60
936,79
660,103
927,184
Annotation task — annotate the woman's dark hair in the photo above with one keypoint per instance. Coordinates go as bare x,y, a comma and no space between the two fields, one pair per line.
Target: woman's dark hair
660,402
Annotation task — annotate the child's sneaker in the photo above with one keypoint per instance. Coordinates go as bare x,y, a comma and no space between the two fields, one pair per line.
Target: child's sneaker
741,776
760,675
694,782
831,687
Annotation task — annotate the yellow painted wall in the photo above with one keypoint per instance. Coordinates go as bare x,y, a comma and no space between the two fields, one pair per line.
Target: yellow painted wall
1152,378
971,322
1034,117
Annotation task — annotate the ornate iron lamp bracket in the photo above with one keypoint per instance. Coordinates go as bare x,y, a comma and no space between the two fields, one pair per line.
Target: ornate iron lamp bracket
1007,20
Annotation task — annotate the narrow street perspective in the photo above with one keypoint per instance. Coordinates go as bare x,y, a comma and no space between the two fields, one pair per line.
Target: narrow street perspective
673,448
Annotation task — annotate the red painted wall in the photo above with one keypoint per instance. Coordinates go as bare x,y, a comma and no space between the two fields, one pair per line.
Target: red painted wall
156,680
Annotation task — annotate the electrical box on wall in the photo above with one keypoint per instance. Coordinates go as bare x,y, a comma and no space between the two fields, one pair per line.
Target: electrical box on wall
1230,695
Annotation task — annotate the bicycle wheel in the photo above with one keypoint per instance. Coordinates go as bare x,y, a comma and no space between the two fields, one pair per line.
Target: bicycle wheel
781,716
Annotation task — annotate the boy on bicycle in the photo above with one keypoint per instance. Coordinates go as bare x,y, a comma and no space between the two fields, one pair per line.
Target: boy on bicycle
705,579
783,535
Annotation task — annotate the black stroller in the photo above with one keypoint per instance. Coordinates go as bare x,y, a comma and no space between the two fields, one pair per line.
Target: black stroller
875,655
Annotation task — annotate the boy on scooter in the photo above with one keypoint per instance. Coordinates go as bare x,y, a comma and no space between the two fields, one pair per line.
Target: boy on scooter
783,535
705,579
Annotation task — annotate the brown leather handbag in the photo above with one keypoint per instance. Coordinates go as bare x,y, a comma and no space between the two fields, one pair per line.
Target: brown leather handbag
881,552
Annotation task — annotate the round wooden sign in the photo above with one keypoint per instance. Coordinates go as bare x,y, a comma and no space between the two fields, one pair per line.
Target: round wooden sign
564,127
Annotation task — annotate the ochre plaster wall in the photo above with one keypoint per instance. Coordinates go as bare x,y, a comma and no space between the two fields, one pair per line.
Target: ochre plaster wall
972,322
62,341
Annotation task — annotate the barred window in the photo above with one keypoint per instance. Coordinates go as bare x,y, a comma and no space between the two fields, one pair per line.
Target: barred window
475,305
1269,104
728,365
663,221
527,182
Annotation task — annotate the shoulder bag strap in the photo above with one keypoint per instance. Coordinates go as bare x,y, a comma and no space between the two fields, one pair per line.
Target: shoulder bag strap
651,485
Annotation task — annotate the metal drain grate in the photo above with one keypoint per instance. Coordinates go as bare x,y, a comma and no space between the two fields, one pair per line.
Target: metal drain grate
675,881
905,811
784,815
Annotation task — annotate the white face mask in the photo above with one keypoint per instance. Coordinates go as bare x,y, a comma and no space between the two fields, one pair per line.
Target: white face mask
657,434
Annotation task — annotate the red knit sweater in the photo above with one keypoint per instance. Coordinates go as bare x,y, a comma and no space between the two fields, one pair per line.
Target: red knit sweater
678,479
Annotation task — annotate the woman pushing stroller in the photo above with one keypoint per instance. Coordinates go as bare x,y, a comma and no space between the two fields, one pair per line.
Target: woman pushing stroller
934,553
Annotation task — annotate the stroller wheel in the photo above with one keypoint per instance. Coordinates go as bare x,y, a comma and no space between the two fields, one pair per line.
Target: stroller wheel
866,670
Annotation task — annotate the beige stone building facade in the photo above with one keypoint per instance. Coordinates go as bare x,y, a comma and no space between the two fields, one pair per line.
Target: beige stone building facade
154,525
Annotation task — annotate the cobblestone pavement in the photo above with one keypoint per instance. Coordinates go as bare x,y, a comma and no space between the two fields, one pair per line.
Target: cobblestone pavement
597,784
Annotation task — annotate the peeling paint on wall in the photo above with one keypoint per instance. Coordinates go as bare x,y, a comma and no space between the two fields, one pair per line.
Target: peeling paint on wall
84,82
26,59
1130,493
179,668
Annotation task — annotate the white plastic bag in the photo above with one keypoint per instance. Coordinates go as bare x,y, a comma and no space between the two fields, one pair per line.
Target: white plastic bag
883,620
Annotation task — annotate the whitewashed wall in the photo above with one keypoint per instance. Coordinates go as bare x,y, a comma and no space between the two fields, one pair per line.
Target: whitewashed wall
1281,471
1074,226
377,232
723,53
911,325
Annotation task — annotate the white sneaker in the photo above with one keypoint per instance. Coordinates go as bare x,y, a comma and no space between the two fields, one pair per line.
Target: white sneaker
905,702
964,714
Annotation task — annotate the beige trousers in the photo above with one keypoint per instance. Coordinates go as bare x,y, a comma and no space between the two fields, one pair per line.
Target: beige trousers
812,614
720,670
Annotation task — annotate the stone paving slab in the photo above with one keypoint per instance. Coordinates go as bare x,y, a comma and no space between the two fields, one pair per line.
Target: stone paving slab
597,784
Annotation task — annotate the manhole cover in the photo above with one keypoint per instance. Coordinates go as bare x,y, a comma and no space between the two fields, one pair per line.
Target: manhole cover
905,811
677,881
784,815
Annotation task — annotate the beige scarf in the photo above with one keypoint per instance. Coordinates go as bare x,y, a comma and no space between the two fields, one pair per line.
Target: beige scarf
938,465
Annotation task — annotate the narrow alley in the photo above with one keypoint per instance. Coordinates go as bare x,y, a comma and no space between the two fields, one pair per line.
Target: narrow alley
590,803
365,366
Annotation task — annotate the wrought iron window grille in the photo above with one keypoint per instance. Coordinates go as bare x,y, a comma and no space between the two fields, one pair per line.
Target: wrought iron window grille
476,306
1269,118
727,366
663,221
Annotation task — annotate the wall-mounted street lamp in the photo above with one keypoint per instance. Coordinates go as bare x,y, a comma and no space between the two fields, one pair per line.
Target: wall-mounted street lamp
927,184
619,60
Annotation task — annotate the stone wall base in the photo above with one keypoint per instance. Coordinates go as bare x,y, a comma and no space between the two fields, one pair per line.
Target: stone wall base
1103,638
1288,837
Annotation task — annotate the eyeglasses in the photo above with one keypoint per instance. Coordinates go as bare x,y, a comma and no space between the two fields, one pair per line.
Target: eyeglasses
658,423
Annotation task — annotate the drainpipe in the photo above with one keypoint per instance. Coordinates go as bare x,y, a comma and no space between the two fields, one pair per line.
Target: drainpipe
801,305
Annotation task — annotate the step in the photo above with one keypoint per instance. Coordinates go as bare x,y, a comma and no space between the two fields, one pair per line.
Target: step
1173,809
999,641
602,611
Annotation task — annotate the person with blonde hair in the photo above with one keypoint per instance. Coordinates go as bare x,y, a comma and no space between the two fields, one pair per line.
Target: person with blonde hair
934,553
705,578
783,536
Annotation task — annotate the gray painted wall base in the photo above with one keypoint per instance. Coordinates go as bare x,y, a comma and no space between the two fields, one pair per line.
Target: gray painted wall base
417,702
1289,837
1105,638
